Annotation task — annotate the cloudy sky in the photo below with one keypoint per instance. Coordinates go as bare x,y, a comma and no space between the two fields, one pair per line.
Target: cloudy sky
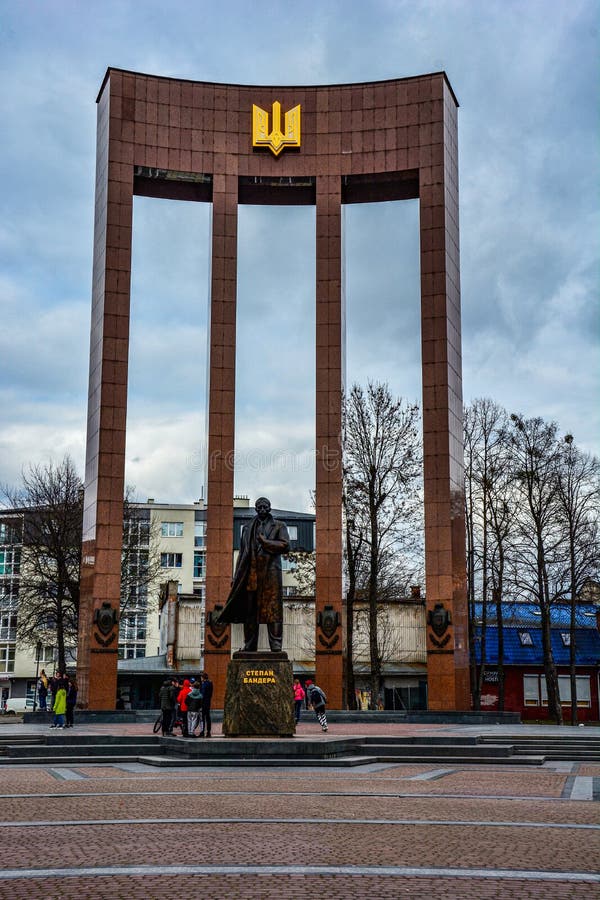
526,76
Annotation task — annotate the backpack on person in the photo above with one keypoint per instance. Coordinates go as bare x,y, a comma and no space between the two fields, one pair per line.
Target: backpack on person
317,696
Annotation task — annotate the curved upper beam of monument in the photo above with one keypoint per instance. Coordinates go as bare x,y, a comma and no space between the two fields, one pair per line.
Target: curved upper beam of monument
387,140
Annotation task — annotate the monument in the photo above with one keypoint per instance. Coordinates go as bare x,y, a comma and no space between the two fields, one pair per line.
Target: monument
258,692
227,144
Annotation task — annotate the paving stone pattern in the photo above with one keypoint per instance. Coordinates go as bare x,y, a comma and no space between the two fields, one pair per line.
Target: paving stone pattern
520,827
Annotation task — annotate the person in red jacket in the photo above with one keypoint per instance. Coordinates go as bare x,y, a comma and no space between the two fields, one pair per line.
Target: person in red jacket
181,698
299,696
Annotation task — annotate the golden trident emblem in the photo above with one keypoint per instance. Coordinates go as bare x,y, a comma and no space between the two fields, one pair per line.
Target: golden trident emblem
276,139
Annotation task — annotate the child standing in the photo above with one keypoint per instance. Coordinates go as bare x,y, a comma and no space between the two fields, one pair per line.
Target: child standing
59,708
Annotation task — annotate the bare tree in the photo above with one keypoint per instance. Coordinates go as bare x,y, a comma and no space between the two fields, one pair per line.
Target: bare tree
51,502
538,554
489,513
140,556
382,472
49,508
578,496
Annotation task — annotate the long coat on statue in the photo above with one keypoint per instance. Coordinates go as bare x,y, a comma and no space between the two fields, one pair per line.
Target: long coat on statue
258,570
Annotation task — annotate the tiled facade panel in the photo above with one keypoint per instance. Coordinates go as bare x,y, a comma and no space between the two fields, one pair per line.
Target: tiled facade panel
221,420
328,470
347,130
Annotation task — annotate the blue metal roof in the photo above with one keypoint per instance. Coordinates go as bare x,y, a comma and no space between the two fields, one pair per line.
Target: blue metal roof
529,614
525,617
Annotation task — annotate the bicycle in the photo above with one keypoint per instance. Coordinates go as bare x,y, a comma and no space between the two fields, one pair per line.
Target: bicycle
178,723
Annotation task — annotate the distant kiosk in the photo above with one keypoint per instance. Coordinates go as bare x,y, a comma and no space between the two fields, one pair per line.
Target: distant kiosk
324,146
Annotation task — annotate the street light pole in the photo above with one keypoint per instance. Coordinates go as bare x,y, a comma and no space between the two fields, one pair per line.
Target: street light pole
38,651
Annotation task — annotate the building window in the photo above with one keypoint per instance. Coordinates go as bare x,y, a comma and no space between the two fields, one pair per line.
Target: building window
171,560
8,626
199,564
565,637
9,534
199,534
584,697
10,561
531,690
526,639
287,564
293,532
7,658
48,654
199,591
133,627
131,651
171,529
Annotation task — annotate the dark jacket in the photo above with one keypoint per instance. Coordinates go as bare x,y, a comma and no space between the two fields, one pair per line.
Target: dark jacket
316,697
207,692
277,542
71,695
194,699
167,696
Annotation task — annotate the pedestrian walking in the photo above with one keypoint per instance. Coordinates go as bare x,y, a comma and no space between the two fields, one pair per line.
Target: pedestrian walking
59,708
207,692
318,699
167,698
299,695
194,705
71,701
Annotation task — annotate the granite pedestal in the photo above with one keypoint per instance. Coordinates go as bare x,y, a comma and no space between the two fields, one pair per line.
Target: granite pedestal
259,696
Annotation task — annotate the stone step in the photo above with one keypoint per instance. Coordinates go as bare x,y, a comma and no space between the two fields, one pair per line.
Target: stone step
346,761
43,750
234,762
57,736
528,760
583,755
425,750
569,736
458,740
65,761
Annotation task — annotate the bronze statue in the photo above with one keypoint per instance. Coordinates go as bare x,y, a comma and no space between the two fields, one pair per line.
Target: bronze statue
256,592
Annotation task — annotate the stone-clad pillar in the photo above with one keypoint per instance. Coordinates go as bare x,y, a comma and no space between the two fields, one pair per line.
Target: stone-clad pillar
221,426
107,402
447,643
329,641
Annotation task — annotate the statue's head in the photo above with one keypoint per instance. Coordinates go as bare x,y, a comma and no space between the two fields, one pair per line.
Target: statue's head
262,507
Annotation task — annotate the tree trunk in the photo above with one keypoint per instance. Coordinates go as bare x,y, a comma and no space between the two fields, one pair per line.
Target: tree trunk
572,633
60,636
374,655
554,708
500,627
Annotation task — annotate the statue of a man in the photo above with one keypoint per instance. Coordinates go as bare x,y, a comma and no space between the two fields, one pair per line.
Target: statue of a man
256,592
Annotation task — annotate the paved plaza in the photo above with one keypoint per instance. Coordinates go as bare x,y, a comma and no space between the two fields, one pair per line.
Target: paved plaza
382,830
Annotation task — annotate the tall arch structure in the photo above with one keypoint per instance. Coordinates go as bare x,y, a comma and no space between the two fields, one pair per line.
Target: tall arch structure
231,144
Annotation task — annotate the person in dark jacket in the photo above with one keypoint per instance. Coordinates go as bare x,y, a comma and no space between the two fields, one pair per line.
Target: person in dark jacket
317,699
71,701
167,697
194,705
207,692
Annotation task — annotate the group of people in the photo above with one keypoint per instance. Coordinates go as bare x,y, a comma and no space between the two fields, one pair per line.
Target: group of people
188,701
314,696
58,694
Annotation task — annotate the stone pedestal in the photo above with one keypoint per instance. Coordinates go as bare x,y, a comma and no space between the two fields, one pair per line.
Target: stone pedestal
259,698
